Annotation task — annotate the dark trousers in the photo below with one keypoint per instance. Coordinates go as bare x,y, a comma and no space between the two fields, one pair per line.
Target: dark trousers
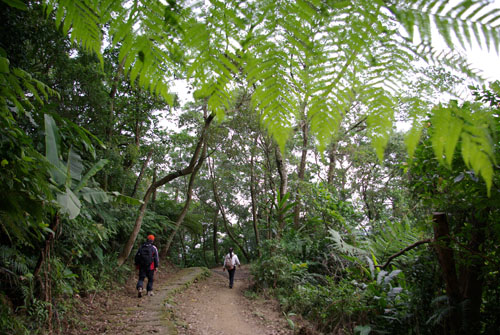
231,276
143,273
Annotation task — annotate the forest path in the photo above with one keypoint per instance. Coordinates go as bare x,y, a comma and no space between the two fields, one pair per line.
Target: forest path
210,307
121,312
190,301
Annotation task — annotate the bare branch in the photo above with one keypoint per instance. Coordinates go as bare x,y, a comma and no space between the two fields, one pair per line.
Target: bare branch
399,253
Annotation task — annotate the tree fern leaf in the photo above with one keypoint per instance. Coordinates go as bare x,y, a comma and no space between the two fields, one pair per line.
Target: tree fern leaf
442,6
440,120
456,28
417,111
496,39
442,26
475,30
493,19
379,120
465,33
487,36
453,134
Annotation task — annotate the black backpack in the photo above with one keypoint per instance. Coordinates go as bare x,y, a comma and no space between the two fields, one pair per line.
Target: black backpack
144,256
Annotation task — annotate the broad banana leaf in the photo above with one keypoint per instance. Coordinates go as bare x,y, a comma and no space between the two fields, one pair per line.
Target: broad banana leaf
69,203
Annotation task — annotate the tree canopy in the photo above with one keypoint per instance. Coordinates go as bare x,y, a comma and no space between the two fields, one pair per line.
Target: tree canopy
286,149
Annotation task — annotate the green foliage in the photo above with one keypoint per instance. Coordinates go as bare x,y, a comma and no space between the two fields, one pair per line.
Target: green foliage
392,237
472,125
68,176
290,54
467,21
325,63
472,208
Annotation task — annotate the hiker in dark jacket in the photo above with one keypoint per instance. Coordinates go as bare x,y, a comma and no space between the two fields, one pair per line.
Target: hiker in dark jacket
146,261
230,262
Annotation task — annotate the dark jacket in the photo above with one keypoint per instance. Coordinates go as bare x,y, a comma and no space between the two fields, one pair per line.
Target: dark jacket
156,261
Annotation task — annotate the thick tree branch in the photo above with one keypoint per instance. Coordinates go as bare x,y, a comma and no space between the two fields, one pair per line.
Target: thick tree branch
152,188
189,196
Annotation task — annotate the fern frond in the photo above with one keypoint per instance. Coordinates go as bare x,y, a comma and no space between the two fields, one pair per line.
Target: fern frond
393,237
80,20
16,87
462,21
447,59
470,124
339,245
380,119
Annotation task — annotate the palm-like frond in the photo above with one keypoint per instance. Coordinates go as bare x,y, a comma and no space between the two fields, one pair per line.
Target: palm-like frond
307,54
392,238
468,21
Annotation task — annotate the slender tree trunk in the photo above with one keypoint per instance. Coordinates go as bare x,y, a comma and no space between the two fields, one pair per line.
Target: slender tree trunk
111,115
331,163
203,245
281,165
112,94
189,195
49,239
224,218
153,200
215,237
141,174
268,222
44,262
254,202
182,236
301,171
268,180
171,176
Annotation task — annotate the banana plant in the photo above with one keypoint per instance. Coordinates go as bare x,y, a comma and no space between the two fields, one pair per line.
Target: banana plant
68,177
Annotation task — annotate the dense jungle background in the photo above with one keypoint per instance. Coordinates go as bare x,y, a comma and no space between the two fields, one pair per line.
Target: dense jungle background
350,163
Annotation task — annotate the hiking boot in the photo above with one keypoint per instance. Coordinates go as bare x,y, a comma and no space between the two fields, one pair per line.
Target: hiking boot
139,292
150,293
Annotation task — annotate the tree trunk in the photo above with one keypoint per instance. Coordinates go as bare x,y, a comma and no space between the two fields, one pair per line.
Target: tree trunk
254,203
465,290
111,115
189,195
447,263
281,165
203,245
44,261
171,176
153,197
183,246
48,242
301,171
216,240
471,276
224,218
141,174
331,163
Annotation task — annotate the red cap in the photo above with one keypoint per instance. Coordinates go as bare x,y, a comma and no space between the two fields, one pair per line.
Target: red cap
151,237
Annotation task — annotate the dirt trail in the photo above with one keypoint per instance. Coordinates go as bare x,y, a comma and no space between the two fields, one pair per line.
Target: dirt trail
121,312
210,307
186,302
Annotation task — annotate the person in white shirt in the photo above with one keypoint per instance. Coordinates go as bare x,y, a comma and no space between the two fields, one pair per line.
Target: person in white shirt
230,262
